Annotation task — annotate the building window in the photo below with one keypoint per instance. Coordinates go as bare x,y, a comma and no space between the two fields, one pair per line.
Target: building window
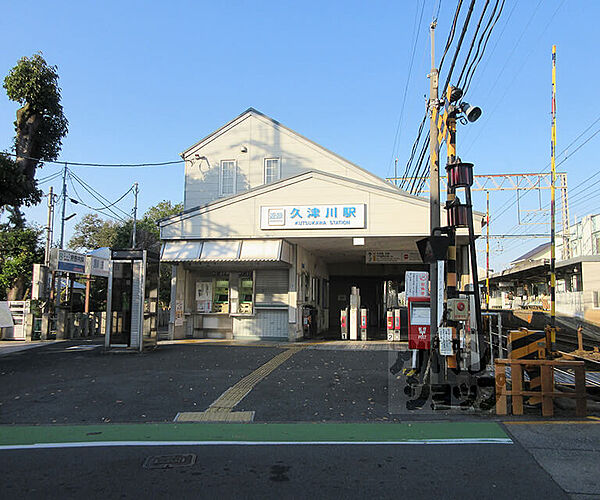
228,177
272,172
596,299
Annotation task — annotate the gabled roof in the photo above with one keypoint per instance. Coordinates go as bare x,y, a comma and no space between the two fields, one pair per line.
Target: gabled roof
531,253
253,112
387,189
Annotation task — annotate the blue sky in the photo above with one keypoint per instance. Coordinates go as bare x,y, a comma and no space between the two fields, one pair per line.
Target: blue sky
142,81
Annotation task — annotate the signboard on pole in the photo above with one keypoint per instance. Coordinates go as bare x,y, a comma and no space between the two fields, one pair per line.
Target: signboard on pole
416,283
96,266
67,261
445,336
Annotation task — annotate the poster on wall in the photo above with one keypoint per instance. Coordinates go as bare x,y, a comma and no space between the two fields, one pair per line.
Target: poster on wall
179,313
203,296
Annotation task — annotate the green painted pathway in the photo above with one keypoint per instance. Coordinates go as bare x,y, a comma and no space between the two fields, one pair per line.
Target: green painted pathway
12,437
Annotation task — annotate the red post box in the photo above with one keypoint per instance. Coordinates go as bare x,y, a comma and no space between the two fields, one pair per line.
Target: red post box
419,329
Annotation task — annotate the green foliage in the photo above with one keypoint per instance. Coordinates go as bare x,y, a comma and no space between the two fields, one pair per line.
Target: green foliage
16,188
34,85
92,232
161,210
19,249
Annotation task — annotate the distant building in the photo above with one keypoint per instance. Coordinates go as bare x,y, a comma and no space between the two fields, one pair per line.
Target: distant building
526,282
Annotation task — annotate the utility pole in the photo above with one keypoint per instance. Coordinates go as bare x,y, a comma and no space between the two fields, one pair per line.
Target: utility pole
550,345
49,226
64,206
396,172
434,180
135,194
487,250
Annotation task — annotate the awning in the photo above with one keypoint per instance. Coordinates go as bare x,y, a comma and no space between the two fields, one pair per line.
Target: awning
226,251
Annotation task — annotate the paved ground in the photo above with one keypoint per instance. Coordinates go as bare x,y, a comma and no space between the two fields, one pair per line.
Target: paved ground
63,384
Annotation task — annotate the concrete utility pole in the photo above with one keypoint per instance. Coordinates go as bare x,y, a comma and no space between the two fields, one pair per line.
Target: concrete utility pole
434,179
64,206
135,194
49,227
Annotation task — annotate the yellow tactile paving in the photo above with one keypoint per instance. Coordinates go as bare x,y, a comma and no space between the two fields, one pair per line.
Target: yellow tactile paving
221,409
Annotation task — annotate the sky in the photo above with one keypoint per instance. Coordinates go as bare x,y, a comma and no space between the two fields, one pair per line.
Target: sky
142,81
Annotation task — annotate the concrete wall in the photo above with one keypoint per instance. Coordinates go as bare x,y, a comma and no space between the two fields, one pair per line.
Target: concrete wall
262,139
591,282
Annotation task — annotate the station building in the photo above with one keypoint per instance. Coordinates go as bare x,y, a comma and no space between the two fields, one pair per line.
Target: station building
275,231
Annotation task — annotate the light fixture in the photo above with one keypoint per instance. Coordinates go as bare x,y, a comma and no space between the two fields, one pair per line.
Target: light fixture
455,94
244,149
471,112
358,241
69,217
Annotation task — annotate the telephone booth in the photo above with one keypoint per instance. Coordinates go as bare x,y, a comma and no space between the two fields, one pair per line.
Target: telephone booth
132,304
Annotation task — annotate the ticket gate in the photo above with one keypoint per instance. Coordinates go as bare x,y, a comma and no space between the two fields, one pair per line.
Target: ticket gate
344,323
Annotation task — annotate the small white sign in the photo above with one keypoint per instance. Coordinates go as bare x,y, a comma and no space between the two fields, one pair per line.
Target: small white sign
96,266
313,216
392,256
445,336
417,283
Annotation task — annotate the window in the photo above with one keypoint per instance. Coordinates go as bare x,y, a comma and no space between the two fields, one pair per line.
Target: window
596,299
271,170
228,177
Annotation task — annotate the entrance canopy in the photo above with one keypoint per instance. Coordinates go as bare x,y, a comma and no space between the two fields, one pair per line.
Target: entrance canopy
226,251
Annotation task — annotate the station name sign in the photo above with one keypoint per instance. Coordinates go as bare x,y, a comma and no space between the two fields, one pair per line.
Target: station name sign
313,216
64,260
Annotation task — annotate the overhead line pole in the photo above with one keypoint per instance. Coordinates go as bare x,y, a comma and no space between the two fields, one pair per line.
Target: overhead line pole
64,206
49,226
487,250
135,203
553,211
434,182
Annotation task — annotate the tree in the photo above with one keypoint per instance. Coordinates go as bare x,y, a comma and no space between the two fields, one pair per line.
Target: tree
19,249
39,128
92,232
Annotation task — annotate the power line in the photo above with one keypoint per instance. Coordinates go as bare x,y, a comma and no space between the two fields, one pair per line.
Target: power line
416,32
102,165
97,195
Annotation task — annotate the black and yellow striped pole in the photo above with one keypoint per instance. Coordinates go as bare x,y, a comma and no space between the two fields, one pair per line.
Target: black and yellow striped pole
551,342
449,126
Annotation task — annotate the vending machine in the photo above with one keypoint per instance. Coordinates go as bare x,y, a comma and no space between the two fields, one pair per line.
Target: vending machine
419,329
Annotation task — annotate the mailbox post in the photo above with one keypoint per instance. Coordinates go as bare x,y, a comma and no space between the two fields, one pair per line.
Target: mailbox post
419,328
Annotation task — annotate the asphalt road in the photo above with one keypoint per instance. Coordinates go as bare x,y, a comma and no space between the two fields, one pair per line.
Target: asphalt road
71,383
476,471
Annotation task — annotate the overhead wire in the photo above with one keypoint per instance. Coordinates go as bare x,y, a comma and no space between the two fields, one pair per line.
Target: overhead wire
103,165
416,32
98,196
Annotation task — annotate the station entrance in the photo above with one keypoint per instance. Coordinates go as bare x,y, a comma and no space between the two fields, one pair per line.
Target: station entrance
381,288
